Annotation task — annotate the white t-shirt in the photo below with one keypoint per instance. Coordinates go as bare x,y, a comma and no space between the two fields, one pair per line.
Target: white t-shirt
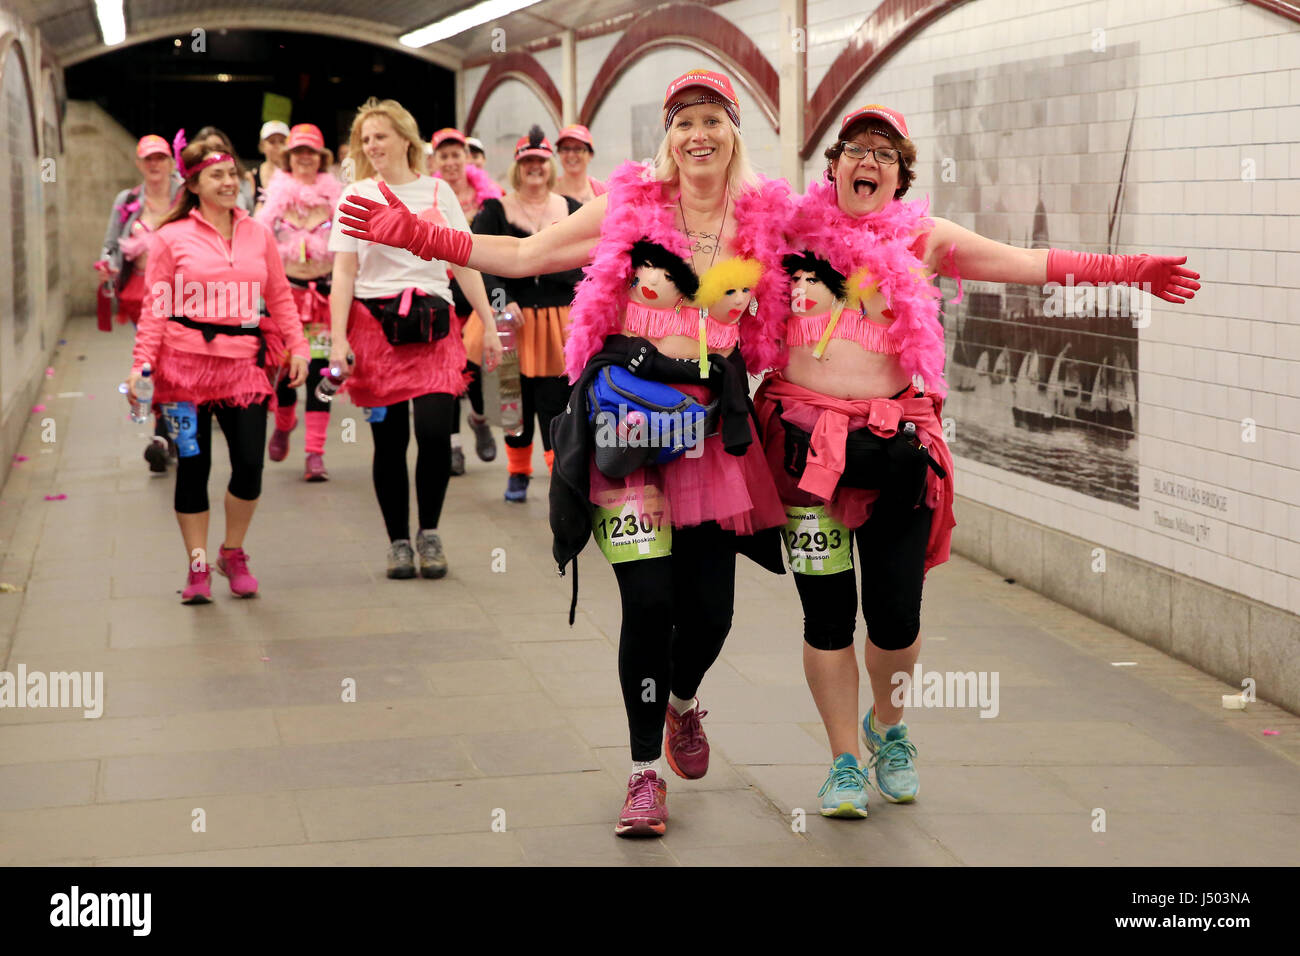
385,270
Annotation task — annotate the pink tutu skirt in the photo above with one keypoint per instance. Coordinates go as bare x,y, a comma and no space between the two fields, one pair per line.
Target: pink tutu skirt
386,374
736,491
198,377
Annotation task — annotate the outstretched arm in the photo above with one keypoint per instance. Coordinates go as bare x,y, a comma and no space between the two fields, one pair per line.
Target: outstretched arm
565,245
954,251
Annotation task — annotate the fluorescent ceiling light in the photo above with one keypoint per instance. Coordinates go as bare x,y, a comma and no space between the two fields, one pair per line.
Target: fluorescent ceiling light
467,19
112,24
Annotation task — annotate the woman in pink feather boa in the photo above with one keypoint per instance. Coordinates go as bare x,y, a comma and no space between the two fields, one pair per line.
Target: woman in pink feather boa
299,209
852,426
449,161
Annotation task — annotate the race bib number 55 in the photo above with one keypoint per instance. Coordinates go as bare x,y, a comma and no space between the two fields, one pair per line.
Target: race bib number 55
815,542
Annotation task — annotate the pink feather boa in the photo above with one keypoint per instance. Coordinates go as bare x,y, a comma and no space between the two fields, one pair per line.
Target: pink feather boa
484,186
284,193
640,207
886,243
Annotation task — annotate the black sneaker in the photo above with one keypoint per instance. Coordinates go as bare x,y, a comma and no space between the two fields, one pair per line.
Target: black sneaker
485,445
517,488
155,453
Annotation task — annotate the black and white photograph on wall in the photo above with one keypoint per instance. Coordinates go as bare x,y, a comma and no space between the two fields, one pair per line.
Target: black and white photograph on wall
1043,383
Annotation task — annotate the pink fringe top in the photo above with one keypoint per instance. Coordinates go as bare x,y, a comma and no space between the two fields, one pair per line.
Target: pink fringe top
656,323
641,207
888,244
853,326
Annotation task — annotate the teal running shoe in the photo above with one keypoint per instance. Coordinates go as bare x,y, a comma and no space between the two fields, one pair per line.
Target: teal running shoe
844,794
892,757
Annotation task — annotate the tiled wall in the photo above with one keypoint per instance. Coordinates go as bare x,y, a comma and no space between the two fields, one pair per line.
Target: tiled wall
1211,92
1217,93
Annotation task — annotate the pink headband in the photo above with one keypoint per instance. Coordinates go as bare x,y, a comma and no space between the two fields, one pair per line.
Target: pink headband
178,146
703,98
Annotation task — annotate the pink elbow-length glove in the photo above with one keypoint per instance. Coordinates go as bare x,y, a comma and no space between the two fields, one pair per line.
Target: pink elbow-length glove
395,225
1163,276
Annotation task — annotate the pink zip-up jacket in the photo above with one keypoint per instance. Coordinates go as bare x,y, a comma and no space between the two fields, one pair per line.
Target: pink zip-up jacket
215,281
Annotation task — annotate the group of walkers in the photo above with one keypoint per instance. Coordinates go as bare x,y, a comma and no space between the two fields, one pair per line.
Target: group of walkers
649,296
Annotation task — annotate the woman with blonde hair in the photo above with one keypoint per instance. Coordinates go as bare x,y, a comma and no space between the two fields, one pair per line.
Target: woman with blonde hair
683,260
539,305
395,339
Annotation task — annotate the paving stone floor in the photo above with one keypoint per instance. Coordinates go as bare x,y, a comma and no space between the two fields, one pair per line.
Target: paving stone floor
477,705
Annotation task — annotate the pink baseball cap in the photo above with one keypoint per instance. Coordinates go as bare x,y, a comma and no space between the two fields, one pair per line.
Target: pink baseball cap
576,132
892,118
151,145
447,134
305,134
709,87
523,149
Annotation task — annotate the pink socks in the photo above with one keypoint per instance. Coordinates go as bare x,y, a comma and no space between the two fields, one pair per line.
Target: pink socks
318,424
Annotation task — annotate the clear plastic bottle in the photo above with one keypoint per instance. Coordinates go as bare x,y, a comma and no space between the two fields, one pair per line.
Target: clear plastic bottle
331,381
142,407
512,417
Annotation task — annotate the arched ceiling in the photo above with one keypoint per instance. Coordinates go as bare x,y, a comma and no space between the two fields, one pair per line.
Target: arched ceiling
70,30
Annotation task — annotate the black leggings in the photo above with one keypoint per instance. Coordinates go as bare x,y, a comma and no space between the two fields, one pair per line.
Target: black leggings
676,615
475,392
891,557
544,398
245,431
287,395
435,416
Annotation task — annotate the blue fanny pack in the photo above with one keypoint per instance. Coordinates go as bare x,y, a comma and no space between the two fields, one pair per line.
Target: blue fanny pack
639,422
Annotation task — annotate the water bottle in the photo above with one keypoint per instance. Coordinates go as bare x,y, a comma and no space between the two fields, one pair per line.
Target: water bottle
376,415
143,404
512,419
331,382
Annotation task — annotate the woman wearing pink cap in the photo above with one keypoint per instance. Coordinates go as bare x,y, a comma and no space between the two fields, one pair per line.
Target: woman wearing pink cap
539,305
299,209
683,259
394,314
575,146
449,161
852,425
137,212
200,333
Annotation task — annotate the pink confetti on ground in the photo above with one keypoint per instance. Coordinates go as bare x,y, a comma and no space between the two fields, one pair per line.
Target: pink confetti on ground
266,658
21,458
1271,733
49,372
59,497
38,408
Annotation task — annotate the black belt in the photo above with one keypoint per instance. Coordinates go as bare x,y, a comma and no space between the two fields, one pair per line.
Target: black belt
211,330
322,284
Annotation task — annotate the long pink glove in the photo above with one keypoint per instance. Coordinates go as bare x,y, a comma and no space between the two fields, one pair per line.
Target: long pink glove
395,225
1163,276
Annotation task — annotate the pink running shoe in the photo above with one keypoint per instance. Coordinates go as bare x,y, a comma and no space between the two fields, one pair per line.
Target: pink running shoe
685,745
198,587
645,811
233,563
314,470
278,449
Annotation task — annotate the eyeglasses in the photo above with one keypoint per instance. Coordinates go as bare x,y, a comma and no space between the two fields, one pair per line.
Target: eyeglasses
885,155
573,149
